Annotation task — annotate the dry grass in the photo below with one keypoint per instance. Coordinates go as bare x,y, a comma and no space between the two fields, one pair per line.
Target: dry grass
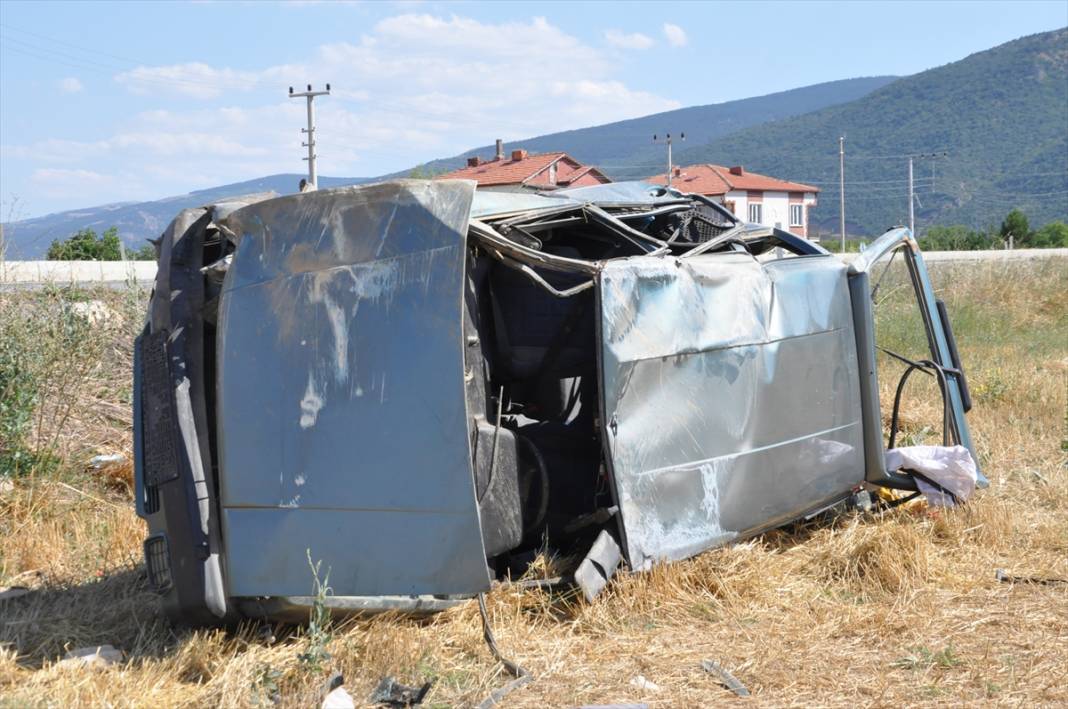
896,608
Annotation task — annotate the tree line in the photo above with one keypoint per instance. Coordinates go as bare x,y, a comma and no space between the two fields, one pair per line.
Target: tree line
1014,230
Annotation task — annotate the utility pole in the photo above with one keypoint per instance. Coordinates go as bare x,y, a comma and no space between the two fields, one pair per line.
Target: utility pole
841,188
670,166
310,130
912,189
912,214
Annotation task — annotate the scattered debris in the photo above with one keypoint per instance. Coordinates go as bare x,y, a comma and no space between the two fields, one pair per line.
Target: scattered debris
1039,476
946,475
6,485
599,565
97,657
725,678
115,470
11,592
1004,577
265,634
392,693
99,461
861,500
549,583
642,683
96,312
338,699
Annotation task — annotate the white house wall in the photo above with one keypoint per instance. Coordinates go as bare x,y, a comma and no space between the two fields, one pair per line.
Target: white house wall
776,208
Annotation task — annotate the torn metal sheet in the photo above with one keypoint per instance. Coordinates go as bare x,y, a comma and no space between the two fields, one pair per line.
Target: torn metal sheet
600,564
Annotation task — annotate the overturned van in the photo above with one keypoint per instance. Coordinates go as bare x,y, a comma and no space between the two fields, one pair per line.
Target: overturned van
418,385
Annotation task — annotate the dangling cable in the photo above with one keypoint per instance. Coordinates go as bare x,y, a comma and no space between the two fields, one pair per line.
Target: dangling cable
522,677
949,424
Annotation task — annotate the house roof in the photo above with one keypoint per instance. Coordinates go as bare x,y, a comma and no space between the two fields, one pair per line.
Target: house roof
578,174
708,179
507,171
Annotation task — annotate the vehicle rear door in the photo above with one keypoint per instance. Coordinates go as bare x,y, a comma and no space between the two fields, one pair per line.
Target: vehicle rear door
343,433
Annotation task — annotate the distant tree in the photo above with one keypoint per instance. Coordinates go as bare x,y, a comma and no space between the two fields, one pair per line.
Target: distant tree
145,253
424,172
1015,224
1053,235
85,245
956,238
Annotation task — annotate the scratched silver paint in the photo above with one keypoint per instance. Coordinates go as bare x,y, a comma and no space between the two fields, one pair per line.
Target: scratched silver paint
341,412
731,396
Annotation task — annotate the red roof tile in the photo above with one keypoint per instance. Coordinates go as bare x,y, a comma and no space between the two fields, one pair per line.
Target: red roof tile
716,180
505,172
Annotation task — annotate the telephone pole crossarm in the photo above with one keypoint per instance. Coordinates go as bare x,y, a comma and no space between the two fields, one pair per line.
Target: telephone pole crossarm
310,95
670,165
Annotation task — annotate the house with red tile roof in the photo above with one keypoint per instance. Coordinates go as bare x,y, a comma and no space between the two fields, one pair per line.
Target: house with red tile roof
754,198
521,170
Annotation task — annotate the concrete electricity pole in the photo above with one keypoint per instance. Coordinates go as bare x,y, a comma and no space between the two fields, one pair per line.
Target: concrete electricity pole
667,139
310,130
912,189
912,214
841,188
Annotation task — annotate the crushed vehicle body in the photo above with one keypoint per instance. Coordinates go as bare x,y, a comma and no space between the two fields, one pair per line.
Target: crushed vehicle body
419,385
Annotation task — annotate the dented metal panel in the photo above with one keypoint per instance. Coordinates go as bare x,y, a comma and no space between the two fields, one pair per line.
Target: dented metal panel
731,396
341,412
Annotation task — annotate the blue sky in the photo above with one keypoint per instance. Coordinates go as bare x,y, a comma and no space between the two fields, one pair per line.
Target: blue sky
114,102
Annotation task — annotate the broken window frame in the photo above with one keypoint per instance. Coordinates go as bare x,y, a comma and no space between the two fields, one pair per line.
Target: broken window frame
938,332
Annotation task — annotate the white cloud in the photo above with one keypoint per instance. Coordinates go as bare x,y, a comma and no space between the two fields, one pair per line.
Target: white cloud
412,88
194,79
60,182
676,36
637,40
54,175
71,85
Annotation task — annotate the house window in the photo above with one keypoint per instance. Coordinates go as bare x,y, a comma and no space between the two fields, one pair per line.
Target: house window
756,212
797,215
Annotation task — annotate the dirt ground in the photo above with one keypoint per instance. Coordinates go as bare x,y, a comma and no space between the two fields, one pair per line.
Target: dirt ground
901,607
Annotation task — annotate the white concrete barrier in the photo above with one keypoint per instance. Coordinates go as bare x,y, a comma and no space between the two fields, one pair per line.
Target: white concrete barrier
76,272
999,255
144,272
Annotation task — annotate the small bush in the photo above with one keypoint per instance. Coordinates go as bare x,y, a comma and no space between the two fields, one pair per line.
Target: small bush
46,349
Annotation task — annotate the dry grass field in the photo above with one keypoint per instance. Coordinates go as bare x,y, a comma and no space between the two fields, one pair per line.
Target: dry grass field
900,607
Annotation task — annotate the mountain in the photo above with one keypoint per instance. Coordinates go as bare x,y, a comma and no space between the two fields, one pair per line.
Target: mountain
997,122
1000,117
614,145
610,145
138,221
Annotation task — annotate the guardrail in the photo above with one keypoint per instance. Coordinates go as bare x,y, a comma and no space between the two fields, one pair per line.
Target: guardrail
144,272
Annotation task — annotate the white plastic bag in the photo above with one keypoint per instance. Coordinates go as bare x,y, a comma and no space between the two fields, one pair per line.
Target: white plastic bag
952,467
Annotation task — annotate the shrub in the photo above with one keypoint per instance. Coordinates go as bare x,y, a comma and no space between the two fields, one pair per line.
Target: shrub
85,245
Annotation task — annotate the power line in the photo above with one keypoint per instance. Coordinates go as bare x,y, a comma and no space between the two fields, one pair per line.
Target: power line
43,54
69,44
